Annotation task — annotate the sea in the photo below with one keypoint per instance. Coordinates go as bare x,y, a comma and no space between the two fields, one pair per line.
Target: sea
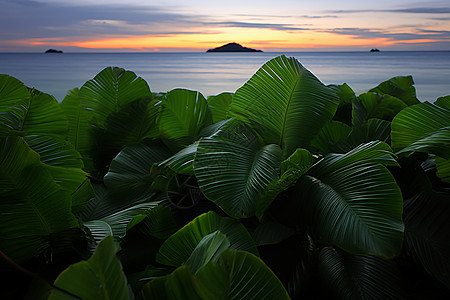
213,73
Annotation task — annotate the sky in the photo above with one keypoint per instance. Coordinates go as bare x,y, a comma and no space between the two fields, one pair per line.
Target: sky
198,25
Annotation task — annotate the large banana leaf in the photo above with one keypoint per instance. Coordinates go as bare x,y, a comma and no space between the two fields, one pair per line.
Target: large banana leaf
177,249
184,113
354,202
286,103
233,170
424,127
401,87
111,90
237,275
33,206
100,277
347,276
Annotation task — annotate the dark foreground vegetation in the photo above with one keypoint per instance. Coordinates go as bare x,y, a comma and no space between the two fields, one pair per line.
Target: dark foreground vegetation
286,189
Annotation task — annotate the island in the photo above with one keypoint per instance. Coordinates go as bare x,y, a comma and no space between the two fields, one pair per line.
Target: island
53,51
374,50
233,47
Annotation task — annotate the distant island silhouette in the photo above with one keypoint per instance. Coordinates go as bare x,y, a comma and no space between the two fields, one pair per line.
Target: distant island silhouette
233,47
374,50
53,51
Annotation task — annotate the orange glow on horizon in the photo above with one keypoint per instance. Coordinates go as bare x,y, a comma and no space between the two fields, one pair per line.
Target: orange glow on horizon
261,38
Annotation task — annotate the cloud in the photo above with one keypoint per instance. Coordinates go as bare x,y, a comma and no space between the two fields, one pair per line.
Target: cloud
419,34
274,26
412,10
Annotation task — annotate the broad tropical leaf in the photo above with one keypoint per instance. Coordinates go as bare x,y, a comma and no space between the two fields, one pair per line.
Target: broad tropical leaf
33,206
180,284
354,202
157,222
130,169
373,105
347,276
292,169
184,113
286,103
443,102
219,106
100,277
232,170
443,168
15,98
208,249
401,87
177,249
79,119
247,278
424,127
237,275
111,90
337,137
427,225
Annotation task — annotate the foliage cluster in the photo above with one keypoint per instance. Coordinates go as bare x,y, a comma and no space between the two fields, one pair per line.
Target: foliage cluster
286,189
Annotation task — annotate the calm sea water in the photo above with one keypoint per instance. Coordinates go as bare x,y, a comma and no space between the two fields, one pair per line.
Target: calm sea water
213,73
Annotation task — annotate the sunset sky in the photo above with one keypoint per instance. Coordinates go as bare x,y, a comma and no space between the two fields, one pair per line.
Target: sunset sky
197,25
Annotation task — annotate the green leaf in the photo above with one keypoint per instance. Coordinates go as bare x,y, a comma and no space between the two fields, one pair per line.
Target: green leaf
443,168
337,137
269,233
347,276
248,277
157,222
372,105
178,248
233,170
424,127
427,225
182,162
15,100
443,102
208,249
76,183
219,106
292,169
237,275
344,111
111,90
401,87
33,206
286,103
184,113
100,277
354,202
180,284
55,151
78,120
130,169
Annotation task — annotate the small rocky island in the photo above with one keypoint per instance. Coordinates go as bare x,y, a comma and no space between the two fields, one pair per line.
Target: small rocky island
53,51
374,50
233,47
